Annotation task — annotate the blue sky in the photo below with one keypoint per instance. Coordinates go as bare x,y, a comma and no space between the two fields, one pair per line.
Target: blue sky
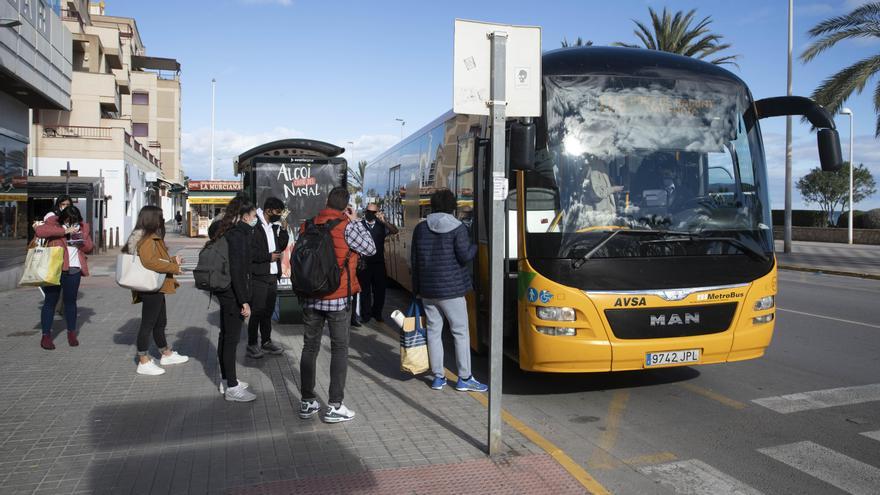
342,71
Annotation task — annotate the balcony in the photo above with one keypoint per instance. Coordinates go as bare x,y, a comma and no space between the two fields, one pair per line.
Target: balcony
123,79
73,21
110,42
95,142
101,85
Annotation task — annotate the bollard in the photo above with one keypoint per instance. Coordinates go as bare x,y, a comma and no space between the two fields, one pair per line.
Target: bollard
103,243
117,237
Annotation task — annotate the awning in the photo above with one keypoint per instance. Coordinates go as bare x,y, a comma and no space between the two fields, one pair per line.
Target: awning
209,200
13,196
154,63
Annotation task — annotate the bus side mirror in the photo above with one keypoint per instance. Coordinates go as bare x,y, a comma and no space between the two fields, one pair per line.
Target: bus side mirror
522,146
829,150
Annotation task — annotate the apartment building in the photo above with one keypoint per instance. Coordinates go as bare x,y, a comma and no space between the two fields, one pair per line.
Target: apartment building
35,72
123,126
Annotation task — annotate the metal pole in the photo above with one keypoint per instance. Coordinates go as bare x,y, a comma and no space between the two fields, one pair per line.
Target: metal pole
851,165
67,181
498,117
787,237
213,93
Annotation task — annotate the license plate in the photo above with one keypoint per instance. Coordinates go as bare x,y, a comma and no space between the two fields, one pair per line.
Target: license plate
672,357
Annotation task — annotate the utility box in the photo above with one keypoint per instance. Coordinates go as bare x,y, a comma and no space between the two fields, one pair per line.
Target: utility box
301,173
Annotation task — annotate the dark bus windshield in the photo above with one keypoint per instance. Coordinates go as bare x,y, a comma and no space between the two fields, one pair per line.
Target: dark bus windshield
672,159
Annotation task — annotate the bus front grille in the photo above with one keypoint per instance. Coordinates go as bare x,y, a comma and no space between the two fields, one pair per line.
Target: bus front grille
674,321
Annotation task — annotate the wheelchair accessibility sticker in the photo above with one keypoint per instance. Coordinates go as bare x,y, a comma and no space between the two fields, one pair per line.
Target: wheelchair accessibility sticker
533,294
545,296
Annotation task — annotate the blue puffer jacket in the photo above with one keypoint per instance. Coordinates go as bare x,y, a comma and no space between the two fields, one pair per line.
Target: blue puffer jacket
441,250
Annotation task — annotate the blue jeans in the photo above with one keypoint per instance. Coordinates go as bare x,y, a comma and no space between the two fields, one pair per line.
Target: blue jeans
68,289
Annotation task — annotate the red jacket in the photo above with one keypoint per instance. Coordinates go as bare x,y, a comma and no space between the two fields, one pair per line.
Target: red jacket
53,232
341,248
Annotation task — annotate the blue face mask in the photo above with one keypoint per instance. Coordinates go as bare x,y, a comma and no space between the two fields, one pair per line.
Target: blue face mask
253,222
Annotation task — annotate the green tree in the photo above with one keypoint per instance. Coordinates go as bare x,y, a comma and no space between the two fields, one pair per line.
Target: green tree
579,42
862,22
356,181
677,34
831,189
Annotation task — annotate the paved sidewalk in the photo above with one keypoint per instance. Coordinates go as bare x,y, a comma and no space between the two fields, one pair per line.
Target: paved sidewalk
860,260
80,420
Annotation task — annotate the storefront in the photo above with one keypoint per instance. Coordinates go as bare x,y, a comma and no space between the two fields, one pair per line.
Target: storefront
207,200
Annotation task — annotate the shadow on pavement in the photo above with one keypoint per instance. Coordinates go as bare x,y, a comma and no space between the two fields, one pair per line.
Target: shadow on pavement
192,445
195,343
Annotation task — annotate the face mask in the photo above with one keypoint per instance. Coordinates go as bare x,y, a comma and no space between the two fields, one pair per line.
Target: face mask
370,215
253,222
667,183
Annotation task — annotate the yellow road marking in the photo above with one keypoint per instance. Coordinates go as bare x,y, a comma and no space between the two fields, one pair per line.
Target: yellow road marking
705,392
567,463
601,458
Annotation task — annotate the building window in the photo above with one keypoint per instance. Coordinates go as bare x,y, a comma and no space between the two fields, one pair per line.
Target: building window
140,130
73,173
26,9
140,98
42,21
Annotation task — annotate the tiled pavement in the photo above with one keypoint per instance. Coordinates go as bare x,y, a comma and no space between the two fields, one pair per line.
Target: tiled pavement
79,420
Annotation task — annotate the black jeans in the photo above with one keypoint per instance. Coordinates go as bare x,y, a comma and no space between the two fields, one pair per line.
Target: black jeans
373,284
153,321
264,288
230,333
313,321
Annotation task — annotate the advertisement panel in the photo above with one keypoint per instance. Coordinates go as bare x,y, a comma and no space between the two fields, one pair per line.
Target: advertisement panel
302,184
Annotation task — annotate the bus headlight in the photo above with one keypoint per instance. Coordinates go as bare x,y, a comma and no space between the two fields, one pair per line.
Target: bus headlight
765,303
557,331
762,319
550,313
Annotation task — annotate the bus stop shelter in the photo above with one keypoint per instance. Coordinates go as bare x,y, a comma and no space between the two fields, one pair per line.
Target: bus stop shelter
89,189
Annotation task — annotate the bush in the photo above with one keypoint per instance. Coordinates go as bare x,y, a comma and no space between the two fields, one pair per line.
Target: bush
871,219
858,220
801,218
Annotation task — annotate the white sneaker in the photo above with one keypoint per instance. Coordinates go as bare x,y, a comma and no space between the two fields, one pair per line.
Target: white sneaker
223,385
338,414
149,368
173,358
239,394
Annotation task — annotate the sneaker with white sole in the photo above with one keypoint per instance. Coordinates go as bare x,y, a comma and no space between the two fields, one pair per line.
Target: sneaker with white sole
223,385
338,414
254,351
149,368
239,393
173,358
270,347
308,408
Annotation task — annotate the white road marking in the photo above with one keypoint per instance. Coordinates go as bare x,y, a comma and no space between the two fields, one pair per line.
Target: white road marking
695,477
820,399
872,434
852,322
844,472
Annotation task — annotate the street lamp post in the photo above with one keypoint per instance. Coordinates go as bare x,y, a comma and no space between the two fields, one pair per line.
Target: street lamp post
847,111
213,93
786,243
402,123
352,151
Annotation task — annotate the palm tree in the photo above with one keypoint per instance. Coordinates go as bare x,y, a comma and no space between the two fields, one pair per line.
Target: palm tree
675,34
863,22
580,42
356,180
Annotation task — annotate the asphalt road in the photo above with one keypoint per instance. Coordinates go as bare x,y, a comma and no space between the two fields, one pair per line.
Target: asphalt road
700,430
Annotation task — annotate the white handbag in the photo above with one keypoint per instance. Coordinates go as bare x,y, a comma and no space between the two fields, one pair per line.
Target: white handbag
131,274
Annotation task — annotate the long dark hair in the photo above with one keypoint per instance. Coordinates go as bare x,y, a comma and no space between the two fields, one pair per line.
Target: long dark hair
151,222
237,207
59,200
70,215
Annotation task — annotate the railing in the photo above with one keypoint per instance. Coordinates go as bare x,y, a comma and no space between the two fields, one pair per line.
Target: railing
142,150
72,15
78,132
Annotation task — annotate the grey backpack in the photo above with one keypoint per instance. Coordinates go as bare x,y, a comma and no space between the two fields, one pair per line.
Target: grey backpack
212,271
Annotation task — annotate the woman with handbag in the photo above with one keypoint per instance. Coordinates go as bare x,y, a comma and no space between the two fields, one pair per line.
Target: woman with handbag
237,228
65,230
147,241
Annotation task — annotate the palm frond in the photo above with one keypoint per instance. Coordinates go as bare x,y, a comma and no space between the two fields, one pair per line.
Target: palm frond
877,109
680,33
829,41
837,89
868,13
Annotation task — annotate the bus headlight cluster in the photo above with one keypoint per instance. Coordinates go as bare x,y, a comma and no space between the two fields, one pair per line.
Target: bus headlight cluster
762,319
765,303
557,331
550,313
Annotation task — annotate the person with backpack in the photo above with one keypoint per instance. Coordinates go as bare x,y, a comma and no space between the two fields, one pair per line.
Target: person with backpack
324,266
67,230
269,241
441,251
236,230
147,241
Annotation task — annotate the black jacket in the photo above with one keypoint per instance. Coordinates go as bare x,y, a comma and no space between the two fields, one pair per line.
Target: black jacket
239,239
261,258
441,251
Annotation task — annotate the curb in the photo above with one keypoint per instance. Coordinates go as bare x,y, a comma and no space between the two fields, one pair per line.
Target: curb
870,276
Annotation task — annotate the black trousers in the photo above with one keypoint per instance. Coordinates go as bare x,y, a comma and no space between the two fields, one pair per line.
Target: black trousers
313,328
265,289
230,333
373,283
153,321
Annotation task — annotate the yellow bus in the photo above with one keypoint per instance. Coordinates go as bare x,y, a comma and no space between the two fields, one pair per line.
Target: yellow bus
639,232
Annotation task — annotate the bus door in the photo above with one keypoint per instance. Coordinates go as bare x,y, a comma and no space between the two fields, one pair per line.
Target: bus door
394,211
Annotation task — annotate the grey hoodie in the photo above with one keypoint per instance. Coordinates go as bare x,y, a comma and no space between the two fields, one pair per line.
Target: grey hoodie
442,223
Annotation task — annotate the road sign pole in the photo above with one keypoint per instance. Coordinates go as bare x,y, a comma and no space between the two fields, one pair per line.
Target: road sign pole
497,115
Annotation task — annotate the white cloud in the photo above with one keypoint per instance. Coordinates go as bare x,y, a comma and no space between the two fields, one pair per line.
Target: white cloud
368,146
228,144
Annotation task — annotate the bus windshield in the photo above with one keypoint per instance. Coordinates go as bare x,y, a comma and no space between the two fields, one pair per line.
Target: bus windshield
668,162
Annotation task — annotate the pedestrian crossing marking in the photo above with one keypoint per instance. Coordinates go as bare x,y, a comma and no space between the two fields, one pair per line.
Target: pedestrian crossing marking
832,467
695,477
872,434
820,399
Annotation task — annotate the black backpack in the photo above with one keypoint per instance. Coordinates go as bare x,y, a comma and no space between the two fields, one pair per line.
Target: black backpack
212,271
314,271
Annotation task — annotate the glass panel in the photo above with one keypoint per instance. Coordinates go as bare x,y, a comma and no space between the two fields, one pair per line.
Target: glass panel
140,130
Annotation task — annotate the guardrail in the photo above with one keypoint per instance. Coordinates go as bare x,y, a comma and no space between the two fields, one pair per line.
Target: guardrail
106,133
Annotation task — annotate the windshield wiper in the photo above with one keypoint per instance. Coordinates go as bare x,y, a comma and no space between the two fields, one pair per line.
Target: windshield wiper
688,237
608,236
